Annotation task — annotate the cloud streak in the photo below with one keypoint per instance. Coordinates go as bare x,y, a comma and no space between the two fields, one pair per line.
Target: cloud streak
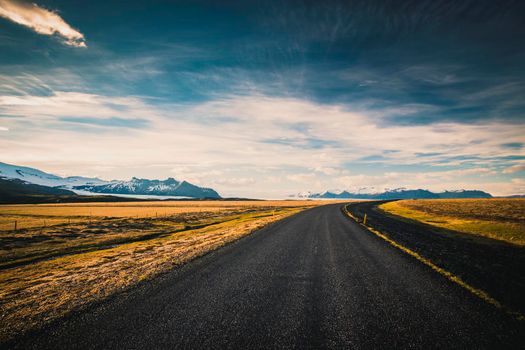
514,169
41,20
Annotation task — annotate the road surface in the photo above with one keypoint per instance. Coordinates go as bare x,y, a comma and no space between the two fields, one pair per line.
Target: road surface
495,267
314,280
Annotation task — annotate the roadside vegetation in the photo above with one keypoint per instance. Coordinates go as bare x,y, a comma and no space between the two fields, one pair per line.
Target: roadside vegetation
496,218
63,257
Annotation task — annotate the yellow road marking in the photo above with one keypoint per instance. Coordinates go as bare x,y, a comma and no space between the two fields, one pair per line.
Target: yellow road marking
449,275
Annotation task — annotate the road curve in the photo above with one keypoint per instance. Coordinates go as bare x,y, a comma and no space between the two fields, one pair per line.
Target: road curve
313,280
496,267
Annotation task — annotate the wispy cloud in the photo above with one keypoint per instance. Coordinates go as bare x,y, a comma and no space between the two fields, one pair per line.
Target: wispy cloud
108,122
514,169
513,145
41,20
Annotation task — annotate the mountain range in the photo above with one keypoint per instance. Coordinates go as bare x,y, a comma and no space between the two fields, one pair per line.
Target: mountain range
401,193
85,185
21,179
168,187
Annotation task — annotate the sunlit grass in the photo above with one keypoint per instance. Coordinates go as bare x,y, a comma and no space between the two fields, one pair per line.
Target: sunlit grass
39,215
502,219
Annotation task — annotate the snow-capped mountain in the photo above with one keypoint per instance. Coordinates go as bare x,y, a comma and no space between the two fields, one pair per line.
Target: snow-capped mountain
168,187
401,193
39,177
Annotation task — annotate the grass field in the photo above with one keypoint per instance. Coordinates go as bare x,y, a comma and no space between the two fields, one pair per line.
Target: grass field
47,270
502,219
40,215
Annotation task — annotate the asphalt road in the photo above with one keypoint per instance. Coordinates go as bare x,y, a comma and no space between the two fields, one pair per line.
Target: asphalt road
313,280
496,267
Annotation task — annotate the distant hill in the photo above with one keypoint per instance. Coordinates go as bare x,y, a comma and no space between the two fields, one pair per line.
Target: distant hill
464,194
168,187
399,194
18,187
18,191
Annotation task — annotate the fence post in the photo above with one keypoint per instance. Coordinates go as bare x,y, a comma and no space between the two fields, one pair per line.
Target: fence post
364,220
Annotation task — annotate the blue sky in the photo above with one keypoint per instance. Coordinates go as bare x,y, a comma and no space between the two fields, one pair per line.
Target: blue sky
268,98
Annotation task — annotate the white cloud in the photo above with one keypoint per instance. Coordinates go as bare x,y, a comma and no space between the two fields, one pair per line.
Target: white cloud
236,181
330,170
41,20
306,178
514,169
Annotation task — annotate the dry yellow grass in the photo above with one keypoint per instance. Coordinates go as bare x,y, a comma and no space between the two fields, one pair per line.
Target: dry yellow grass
497,218
39,215
42,290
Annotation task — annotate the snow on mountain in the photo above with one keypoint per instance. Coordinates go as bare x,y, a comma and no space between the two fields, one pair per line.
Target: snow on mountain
337,192
39,177
168,187
86,185
72,181
305,194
